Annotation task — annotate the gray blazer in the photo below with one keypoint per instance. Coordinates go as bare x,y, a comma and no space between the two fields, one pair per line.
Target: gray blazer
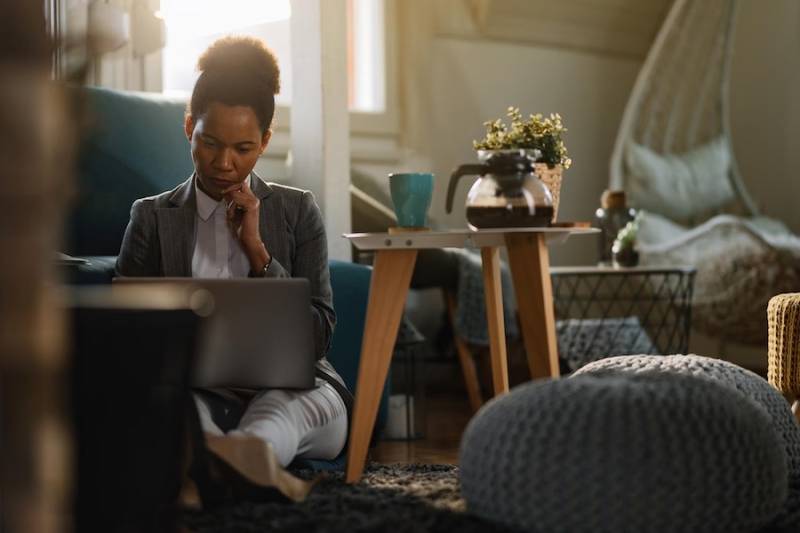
160,236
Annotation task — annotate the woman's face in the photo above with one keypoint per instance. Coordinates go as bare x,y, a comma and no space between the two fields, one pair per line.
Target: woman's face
226,143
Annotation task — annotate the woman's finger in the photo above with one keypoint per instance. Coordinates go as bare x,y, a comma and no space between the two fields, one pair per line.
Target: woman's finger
241,199
232,188
243,187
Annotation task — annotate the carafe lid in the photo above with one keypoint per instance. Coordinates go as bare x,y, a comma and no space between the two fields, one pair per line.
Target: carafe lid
613,199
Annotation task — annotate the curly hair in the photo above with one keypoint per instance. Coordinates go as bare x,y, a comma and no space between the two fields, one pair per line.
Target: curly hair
237,70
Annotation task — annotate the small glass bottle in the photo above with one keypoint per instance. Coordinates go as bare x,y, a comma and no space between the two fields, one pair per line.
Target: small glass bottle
612,215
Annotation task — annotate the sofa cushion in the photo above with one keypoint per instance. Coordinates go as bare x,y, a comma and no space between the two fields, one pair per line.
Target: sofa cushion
135,147
654,452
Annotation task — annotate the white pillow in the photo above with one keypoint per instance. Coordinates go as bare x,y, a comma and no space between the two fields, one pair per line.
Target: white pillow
655,229
680,186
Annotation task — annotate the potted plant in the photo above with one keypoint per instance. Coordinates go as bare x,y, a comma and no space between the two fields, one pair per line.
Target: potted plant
624,251
542,136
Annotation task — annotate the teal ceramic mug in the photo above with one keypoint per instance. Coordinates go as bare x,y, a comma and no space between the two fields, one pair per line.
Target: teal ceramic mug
411,196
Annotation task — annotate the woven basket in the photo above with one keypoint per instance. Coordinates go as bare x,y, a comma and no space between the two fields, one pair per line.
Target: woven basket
783,315
552,180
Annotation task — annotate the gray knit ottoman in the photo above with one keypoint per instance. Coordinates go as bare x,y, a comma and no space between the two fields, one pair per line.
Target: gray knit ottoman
749,383
642,453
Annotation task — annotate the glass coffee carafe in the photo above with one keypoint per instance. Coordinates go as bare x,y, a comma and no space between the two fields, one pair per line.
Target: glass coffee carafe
508,193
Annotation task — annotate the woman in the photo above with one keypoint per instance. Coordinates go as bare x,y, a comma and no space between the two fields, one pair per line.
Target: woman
225,222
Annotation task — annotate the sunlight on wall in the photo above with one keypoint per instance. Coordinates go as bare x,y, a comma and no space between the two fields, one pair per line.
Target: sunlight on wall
188,19
192,25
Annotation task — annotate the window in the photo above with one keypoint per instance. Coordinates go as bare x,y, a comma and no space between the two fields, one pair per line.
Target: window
194,24
366,48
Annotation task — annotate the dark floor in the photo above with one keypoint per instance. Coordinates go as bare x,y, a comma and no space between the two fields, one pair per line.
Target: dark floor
446,416
444,407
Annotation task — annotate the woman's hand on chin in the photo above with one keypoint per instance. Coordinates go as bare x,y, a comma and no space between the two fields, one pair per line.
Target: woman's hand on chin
242,212
243,217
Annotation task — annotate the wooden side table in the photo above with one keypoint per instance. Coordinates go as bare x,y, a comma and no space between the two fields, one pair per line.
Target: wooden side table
395,256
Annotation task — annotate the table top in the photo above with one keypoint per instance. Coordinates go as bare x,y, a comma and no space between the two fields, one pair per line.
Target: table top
459,238
611,270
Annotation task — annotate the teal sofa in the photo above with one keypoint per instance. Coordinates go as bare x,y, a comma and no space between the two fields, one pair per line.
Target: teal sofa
135,146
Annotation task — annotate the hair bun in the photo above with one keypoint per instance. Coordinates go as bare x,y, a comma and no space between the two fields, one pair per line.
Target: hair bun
239,55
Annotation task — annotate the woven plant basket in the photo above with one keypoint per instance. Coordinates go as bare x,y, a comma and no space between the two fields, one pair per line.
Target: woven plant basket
783,316
552,180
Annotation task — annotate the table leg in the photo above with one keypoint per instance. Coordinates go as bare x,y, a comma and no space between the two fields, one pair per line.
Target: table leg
391,276
530,270
493,293
468,368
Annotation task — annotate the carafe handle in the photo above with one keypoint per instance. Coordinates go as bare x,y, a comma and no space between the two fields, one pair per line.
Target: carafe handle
463,170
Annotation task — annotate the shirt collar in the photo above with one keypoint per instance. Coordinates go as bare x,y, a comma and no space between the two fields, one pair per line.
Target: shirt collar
205,204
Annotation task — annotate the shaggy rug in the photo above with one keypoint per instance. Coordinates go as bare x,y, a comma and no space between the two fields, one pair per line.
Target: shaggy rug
397,498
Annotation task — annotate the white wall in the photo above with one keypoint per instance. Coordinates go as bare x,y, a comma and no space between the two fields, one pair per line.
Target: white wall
765,102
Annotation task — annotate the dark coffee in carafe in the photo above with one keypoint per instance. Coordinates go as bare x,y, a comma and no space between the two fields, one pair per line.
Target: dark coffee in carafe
509,217
508,193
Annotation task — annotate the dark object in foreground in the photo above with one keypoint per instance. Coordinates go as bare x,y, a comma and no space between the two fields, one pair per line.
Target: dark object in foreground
129,389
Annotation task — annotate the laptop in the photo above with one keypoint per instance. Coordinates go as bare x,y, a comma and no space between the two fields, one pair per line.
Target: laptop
259,334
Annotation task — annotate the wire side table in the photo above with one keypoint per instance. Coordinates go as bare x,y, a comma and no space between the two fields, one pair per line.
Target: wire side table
606,311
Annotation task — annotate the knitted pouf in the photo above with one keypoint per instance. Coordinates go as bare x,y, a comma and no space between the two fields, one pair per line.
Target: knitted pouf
749,383
649,453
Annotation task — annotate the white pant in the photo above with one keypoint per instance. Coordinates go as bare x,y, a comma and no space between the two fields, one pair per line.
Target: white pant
307,424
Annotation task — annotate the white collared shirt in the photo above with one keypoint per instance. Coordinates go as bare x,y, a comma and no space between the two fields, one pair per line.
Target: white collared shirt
217,252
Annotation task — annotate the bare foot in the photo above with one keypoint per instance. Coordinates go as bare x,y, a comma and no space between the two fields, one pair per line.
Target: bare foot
189,497
254,459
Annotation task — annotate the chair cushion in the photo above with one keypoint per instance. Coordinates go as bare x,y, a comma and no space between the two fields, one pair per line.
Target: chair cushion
680,186
652,452
746,382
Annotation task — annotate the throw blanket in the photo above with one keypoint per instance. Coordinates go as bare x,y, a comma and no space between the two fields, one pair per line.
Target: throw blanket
741,263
